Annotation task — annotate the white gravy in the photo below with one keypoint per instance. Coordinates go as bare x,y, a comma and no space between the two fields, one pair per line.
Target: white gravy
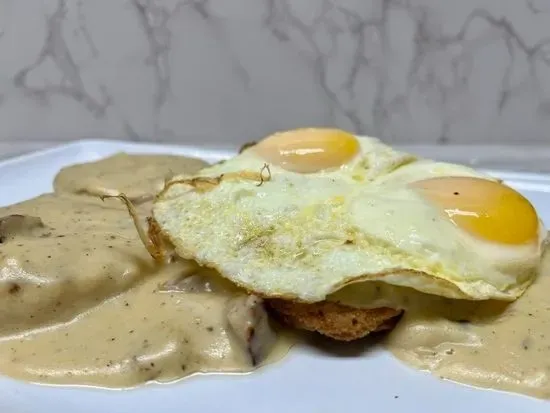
81,301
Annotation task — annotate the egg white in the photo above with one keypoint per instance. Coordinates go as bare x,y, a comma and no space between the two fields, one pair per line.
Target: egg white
304,236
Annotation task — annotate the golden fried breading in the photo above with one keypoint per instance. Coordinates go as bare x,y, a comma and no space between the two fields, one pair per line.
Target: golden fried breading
334,320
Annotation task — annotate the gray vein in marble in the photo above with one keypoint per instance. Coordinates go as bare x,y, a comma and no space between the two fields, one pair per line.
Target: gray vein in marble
430,39
538,6
131,132
513,39
281,19
153,20
201,7
83,27
71,84
397,69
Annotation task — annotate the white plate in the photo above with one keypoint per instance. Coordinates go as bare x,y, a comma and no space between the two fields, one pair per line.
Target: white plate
307,380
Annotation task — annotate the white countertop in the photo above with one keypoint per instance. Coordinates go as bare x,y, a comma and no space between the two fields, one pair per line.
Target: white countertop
521,158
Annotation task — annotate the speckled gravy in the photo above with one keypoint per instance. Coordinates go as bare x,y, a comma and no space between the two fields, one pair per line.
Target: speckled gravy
490,344
81,301
140,177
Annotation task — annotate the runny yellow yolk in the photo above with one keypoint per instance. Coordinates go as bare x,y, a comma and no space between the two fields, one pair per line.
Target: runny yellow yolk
308,150
486,209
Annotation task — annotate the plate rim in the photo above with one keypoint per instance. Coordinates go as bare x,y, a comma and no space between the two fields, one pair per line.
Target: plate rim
73,148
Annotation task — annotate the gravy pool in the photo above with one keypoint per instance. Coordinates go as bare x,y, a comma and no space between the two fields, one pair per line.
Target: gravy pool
491,344
81,301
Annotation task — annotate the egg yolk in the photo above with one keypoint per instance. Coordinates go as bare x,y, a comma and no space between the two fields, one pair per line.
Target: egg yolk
486,209
308,150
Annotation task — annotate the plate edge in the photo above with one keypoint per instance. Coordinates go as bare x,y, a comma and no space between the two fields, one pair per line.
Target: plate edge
540,180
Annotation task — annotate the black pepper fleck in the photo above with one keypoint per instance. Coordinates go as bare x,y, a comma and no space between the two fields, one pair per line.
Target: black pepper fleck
14,288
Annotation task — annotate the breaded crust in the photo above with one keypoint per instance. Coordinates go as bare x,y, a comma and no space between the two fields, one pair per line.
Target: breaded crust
334,320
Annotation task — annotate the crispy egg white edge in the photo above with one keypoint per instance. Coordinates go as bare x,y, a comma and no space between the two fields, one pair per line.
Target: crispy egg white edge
453,290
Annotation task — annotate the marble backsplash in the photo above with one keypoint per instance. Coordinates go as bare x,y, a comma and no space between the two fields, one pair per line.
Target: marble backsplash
227,71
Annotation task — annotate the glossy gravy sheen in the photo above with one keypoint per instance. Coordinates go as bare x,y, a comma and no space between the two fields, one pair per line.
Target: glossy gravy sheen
491,345
81,301
140,177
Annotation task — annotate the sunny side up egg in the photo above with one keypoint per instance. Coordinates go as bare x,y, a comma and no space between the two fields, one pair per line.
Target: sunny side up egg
306,212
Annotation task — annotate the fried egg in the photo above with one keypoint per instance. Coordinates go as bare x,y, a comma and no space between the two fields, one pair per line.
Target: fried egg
304,213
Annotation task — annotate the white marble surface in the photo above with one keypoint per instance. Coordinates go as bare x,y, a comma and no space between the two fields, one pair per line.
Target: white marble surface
209,71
